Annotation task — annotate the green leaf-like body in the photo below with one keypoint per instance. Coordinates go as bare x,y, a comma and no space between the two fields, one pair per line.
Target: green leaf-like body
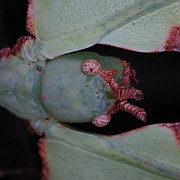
30,89
56,90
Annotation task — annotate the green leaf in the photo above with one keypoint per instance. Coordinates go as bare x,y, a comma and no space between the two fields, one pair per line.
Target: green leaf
62,26
151,152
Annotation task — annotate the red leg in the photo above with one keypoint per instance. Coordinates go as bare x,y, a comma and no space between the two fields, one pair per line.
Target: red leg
129,75
4,53
120,92
107,77
129,93
134,110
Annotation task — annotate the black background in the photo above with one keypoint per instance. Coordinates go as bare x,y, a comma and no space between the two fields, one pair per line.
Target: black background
158,74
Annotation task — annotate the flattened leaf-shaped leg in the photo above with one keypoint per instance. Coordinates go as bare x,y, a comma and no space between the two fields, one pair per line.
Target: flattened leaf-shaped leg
154,32
151,152
62,26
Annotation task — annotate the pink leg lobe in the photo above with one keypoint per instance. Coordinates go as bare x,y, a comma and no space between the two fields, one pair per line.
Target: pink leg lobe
20,43
102,120
4,53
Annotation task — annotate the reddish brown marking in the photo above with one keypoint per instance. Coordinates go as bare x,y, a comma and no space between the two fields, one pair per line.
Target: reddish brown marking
172,42
43,97
120,92
29,127
106,76
109,72
102,120
91,67
46,118
4,53
43,155
30,25
39,69
124,91
175,127
127,107
129,93
20,43
156,51
127,74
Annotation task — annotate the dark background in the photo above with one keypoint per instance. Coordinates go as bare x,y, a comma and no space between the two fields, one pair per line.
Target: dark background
158,74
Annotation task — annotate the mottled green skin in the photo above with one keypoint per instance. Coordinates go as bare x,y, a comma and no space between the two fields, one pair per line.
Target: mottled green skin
69,95
18,87
72,96
62,26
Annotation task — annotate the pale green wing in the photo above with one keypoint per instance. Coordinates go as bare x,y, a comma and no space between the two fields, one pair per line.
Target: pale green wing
154,32
148,153
62,26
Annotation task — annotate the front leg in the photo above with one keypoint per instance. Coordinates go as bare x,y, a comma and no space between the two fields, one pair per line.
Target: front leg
102,120
132,109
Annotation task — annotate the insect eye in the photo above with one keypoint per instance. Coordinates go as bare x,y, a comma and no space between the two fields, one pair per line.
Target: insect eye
91,67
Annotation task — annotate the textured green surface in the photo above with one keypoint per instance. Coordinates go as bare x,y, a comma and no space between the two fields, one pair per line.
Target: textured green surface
18,84
147,33
148,153
57,90
73,96
62,26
